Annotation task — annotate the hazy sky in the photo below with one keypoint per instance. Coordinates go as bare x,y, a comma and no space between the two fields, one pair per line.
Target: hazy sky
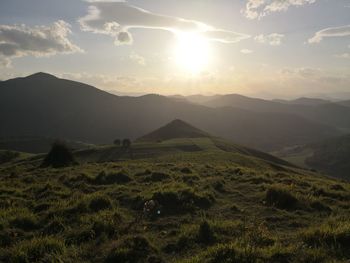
268,48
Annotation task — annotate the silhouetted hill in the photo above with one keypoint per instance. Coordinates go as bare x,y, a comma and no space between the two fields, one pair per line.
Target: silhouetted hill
43,105
175,129
305,101
329,113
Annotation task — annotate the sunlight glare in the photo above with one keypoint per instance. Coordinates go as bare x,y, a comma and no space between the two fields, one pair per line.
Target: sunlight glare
192,52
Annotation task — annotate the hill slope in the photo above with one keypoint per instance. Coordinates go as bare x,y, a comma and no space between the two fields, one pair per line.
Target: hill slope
208,205
43,105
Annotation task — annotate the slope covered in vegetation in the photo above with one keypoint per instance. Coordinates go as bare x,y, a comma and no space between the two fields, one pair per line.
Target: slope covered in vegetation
208,205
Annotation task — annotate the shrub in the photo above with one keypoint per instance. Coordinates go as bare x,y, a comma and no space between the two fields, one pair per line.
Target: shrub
59,156
281,197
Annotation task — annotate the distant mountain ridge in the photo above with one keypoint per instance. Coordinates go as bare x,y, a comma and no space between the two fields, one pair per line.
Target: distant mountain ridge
47,106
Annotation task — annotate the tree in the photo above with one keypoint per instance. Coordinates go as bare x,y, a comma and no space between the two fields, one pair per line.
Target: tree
117,142
59,156
126,143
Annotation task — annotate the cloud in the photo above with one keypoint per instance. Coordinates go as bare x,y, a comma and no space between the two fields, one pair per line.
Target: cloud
39,41
116,18
246,51
341,31
260,8
344,55
273,39
137,58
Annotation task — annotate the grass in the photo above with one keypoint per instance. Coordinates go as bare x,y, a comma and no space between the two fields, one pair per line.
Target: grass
212,206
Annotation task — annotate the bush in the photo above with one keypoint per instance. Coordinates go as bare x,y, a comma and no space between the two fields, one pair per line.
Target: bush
281,197
59,156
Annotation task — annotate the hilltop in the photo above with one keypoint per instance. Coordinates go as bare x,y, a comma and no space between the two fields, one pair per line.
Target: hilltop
175,129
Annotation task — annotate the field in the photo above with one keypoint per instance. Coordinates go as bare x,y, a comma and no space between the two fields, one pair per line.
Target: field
215,202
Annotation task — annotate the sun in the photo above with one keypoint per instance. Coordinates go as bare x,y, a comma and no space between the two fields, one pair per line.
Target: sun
192,52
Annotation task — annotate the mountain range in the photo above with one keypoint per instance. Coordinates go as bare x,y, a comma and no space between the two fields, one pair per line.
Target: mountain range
44,105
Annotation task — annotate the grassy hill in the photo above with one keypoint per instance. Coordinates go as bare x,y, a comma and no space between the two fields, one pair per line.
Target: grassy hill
175,129
214,202
45,106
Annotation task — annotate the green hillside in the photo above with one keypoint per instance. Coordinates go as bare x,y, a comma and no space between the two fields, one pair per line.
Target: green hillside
214,202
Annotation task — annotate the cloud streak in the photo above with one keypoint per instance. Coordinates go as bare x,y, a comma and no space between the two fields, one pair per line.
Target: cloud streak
341,31
259,8
117,18
273,39
39,41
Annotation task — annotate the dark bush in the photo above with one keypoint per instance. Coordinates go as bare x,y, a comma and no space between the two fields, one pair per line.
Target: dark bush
117,142
281,197
59,156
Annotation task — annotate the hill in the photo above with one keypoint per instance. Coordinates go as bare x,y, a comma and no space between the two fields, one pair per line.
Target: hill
330,156
175,137
45,106
175,129
168,202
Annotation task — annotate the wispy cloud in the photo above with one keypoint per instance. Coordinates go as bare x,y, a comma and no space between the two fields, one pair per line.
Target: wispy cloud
116,18
246,51
341,31
273,39
137,58
344,55
260,8
21,40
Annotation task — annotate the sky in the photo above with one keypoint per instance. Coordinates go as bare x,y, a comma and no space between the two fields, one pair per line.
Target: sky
261,48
